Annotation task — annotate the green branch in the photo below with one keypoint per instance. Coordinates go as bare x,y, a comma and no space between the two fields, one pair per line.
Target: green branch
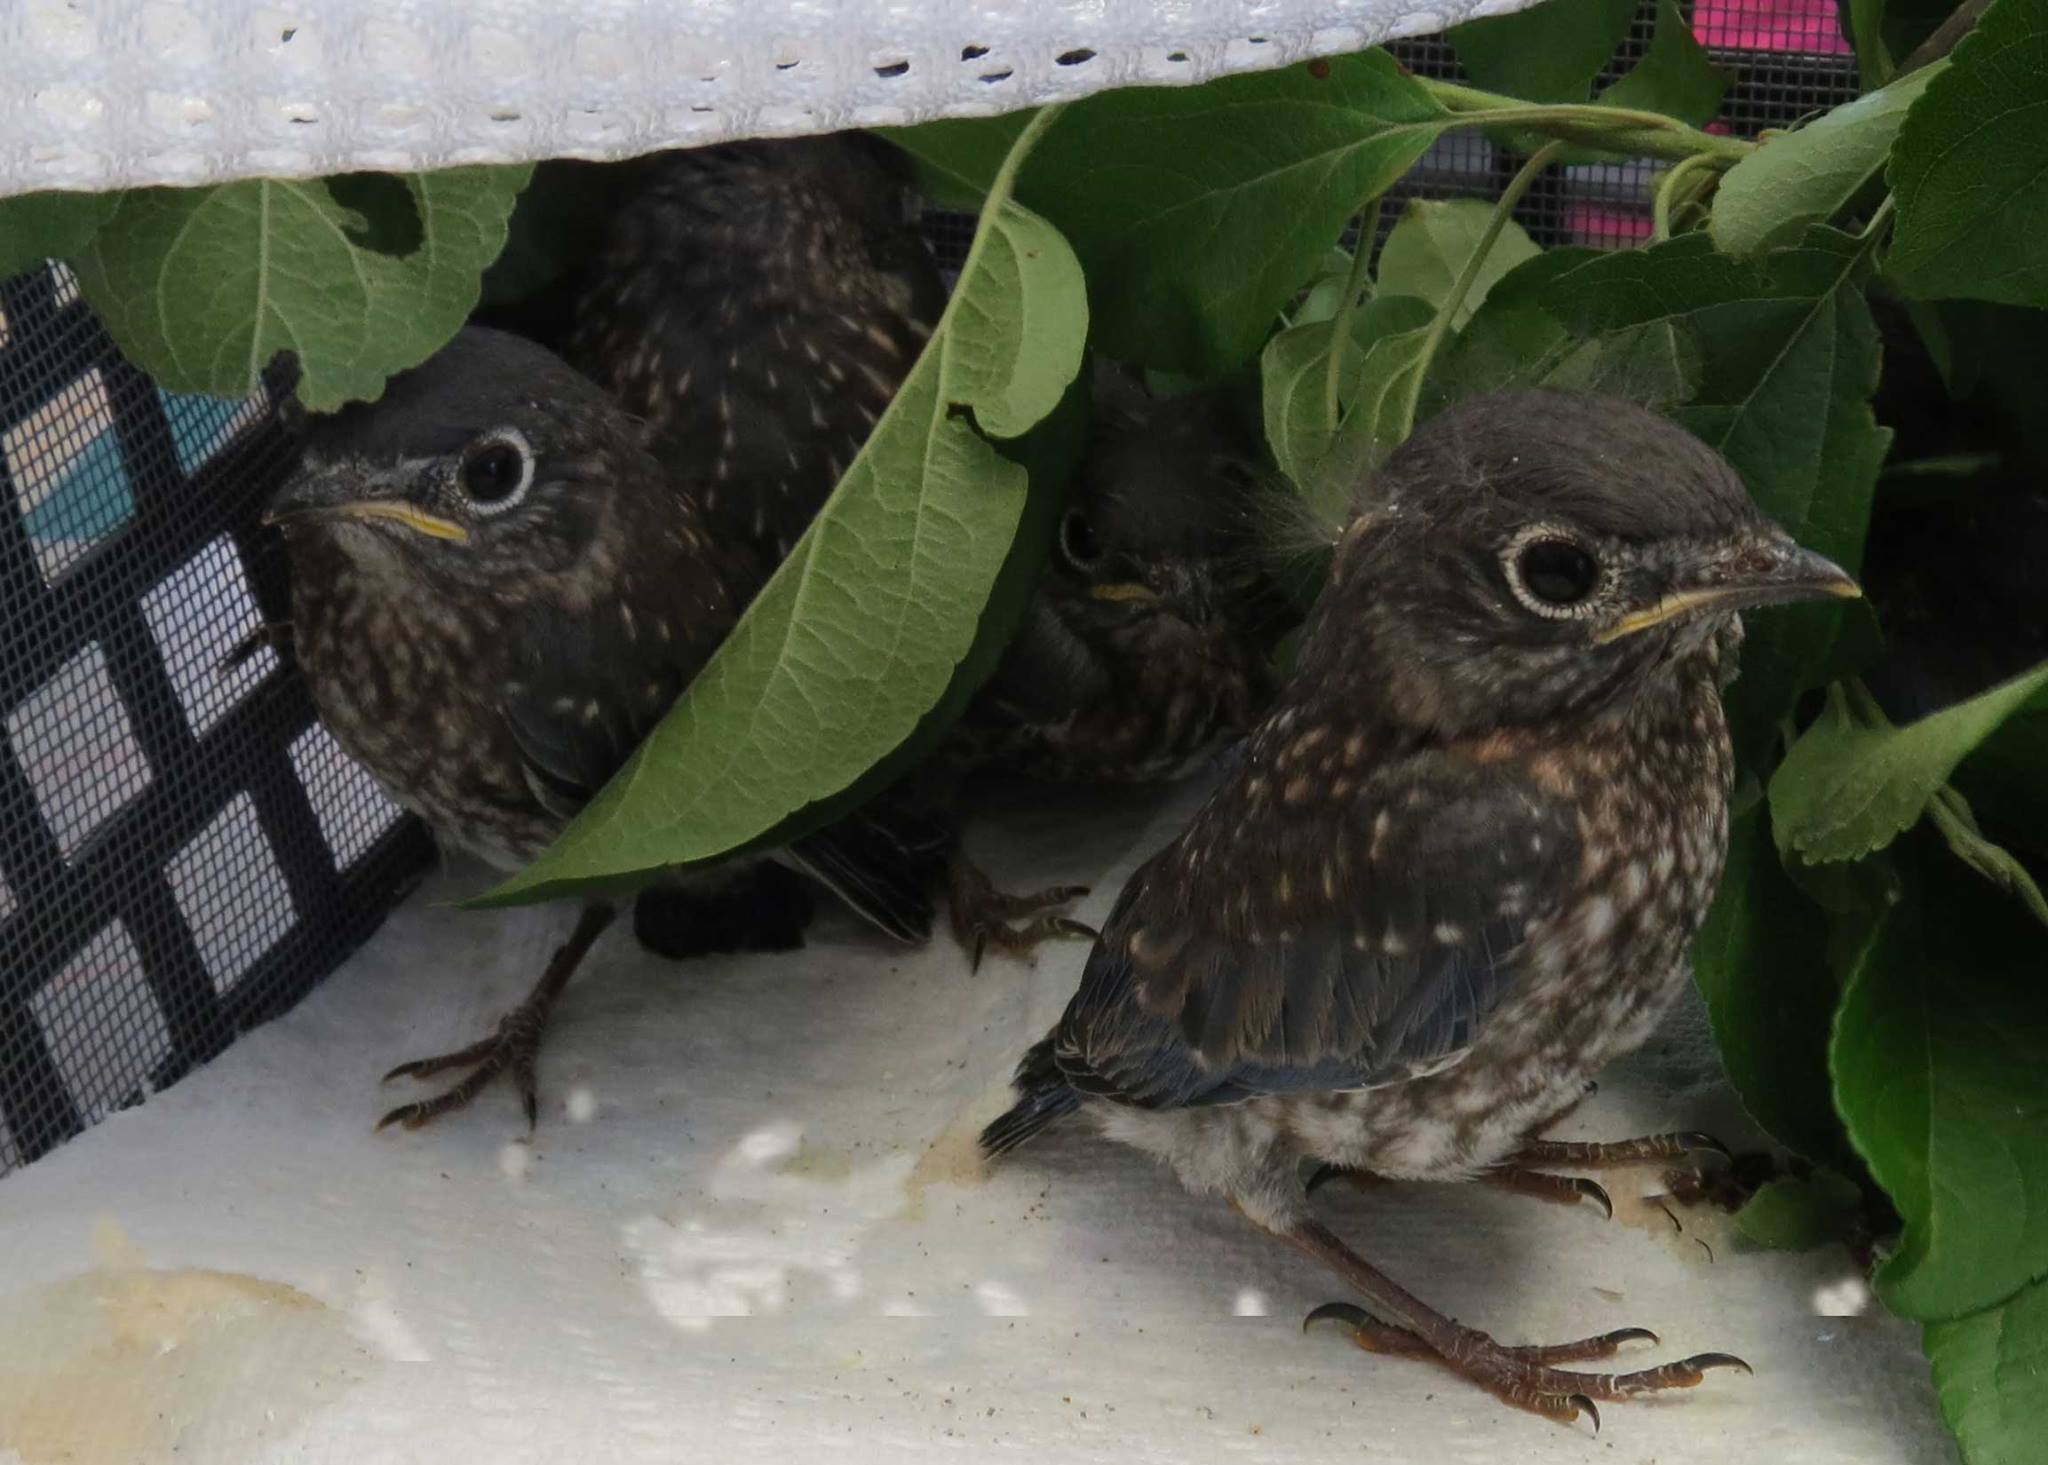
1610,129
1462,287
1354,283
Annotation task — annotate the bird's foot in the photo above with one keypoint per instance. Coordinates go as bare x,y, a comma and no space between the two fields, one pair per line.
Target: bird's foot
1527,1376
1566,1190
1521,1174
512,1049
983,916
1650,1149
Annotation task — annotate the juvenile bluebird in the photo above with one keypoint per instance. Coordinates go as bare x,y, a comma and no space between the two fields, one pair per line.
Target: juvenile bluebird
1147,643
496,594
1149,638
1463,857
756,304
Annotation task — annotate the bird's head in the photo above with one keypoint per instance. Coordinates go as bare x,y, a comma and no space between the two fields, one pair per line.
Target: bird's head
1160,521
491,460
1529,555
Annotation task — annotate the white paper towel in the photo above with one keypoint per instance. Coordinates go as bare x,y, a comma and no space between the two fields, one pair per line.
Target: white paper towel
763,1235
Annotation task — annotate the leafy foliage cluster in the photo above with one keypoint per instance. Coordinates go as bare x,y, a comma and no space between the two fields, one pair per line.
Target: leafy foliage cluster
1874,968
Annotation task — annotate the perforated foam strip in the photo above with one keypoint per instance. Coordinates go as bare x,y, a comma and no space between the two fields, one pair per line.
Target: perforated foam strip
98,94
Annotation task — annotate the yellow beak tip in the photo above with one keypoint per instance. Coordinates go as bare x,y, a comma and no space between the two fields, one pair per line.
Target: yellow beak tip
1127,592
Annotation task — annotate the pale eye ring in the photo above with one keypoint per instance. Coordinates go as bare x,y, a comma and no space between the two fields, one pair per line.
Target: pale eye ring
1552,571
1078,542
497,470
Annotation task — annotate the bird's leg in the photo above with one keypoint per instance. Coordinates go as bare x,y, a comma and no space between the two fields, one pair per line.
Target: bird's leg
512,1049
983,915
1395,1320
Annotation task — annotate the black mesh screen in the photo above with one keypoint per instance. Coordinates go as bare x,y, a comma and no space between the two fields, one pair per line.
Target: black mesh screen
183,851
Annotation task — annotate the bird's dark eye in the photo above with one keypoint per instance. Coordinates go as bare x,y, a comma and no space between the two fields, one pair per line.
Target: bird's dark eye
496,472
1077,540
1558,572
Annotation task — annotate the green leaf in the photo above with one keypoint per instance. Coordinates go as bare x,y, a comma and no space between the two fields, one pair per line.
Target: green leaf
560,221
1938,1055
1294,371
1377,419
1431,243
1846,788
1761,963
1655,364
1325,291
958,158
1969,165
39,226
1809,176
1200,221
863,628
1675,76
1787,361
1991,1370
1795,1214
201,287
1547,53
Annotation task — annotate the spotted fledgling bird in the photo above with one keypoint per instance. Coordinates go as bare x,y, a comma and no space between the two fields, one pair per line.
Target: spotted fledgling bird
1149,637
757,304
1147,642
1461,862
496,593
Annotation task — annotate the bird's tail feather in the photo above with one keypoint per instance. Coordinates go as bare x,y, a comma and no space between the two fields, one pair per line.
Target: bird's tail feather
1043,1095
883,862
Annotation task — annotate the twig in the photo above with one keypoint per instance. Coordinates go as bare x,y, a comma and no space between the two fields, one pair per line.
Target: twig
1944,38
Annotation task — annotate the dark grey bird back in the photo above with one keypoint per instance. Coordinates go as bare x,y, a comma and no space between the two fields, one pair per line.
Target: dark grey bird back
184,854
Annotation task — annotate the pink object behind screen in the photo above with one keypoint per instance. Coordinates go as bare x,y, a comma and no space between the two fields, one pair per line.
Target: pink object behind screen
1809,26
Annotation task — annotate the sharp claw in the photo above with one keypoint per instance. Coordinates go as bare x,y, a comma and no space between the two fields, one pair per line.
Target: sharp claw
1323,1175
1580,1401
1633,1335
1706,1143
1704,1361
402,1116
1593,1190
402,1071
1348,1313
980,945
531,1101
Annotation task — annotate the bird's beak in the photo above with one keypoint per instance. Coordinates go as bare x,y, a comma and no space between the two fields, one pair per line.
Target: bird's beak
1771,570
1131,593
1187,588
315,497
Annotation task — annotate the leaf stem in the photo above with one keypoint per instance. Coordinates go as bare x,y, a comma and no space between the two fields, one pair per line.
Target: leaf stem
1340,323
1878,218
1610,129
1462,287
1662,205
1950,813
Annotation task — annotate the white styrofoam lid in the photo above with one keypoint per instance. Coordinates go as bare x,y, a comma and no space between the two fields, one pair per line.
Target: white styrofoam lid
99,94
